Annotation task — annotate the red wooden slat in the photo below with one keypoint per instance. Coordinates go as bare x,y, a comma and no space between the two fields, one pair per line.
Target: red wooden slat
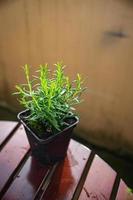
99,182
5,129
27,181
123,193
12,154
68,173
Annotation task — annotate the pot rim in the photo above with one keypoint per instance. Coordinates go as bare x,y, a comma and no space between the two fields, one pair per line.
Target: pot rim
50,137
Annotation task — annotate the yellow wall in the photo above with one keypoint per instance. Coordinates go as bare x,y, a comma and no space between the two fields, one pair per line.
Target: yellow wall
92,37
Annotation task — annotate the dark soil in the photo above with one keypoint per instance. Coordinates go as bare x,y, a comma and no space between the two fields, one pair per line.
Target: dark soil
43,131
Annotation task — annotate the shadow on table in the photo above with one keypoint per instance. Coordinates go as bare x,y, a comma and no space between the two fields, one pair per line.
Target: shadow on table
61,181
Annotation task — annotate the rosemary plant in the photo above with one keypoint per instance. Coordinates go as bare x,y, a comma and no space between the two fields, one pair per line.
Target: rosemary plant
50,97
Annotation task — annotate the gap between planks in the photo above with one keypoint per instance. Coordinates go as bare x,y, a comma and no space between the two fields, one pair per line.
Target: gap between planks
115,188
15,173
9,135
45,183
83,177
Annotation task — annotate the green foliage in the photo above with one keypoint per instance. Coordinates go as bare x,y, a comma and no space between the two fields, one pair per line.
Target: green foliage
50,97
130,190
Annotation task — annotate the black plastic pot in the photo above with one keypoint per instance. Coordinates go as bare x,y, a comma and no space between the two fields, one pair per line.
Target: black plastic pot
52,149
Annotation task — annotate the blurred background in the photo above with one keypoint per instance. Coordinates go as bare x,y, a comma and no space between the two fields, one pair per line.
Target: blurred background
93,38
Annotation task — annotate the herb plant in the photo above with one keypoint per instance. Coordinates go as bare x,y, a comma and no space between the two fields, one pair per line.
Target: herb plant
50,97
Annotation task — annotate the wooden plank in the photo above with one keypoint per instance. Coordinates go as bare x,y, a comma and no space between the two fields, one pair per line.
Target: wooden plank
68,173
33,173
27,181
99,182
12,155
6,129
123,193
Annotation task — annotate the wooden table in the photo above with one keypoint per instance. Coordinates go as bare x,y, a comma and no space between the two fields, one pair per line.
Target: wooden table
82,175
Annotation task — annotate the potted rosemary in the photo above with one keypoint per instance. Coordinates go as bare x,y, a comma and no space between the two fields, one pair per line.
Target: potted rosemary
49,99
